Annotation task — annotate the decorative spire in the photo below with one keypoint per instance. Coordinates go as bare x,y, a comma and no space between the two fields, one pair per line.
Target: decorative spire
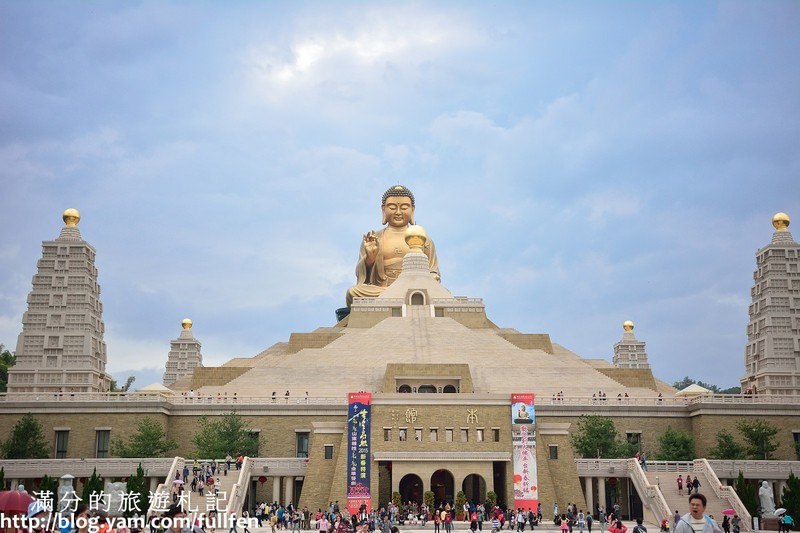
627,325
781,222
70,231
186,323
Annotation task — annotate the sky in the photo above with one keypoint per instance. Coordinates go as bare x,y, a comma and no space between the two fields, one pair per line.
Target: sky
578,164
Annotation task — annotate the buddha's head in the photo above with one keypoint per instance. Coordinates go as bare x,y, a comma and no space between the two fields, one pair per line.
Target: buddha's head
397,206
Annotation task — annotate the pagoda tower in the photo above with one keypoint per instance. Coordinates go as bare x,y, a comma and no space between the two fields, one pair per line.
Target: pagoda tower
184,355
61,347
629,352
772,354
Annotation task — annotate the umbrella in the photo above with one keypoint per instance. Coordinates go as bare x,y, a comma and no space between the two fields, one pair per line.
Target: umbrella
14,501
779,511
729,512
179,482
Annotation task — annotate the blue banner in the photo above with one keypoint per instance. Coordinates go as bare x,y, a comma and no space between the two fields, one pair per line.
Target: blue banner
358,457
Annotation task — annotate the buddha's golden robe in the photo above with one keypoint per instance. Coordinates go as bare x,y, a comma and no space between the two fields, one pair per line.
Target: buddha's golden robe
392,248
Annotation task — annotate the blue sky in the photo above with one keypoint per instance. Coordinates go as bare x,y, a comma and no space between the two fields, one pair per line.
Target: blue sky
578,164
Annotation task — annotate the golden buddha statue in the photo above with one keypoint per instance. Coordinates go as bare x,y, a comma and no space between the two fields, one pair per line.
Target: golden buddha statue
381,256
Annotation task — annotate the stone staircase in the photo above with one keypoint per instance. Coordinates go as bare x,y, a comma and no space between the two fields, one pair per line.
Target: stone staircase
680,502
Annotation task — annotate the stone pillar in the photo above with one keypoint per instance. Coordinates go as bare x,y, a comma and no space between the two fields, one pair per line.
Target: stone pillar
587,489
288,490
276,489
15,484
601,492
153,484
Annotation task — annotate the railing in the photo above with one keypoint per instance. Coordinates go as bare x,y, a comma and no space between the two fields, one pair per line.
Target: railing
288,466
35,468
602,467
755,469
239,489
165,487
174,399
651,494
676,467
724,492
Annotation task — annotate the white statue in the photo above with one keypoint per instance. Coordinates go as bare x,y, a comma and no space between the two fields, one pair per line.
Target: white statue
116,493
67,499
767,499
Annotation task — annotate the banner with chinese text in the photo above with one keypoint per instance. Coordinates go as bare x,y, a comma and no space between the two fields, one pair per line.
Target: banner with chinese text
523,429
358,456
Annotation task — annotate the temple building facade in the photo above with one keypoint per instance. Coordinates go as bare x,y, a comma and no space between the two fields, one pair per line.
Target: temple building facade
413,390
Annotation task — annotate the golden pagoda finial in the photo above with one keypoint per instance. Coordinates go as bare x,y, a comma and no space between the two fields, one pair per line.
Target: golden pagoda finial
186,323
627,325
781,221
415,238
71,217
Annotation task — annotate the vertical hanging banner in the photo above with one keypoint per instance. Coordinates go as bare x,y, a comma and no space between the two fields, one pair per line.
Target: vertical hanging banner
358,457
523,430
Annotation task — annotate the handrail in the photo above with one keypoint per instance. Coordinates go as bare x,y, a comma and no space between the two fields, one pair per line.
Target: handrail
166,486
239,489
725,493
655,499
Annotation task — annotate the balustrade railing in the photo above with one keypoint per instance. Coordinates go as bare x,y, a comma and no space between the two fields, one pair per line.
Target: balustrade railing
114,467
238,491
651,494
724,492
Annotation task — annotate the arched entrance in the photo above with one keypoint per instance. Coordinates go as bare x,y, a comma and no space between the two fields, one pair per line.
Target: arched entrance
474,488
443,486
411,488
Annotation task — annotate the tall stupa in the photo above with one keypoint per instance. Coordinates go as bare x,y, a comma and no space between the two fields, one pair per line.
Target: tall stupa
61,347
184,355
772,354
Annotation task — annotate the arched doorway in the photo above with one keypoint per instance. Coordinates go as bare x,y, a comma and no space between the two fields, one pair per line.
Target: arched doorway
430,389
474,488
417,299
443,486
411,488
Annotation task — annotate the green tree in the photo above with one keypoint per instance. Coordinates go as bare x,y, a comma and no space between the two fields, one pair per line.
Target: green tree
790,499
397,499
461,499
49,484
137,485
2,478
7,360
429,498
747,493
128,382
150,440
93,485
760,438
727,447
26,440
226,435
596,436
491,499
675,445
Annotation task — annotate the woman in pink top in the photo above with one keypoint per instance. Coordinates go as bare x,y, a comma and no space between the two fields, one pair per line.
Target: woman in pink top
564,524
680,484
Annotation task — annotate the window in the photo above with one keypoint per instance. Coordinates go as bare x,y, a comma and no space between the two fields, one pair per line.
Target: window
448,435
635,438
403,434
428,389
329,451
302,445
103,438
479,435
796,436
496,434
449,389
405,389
553,451
435,434
387,434
418,434
464,435
62,438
